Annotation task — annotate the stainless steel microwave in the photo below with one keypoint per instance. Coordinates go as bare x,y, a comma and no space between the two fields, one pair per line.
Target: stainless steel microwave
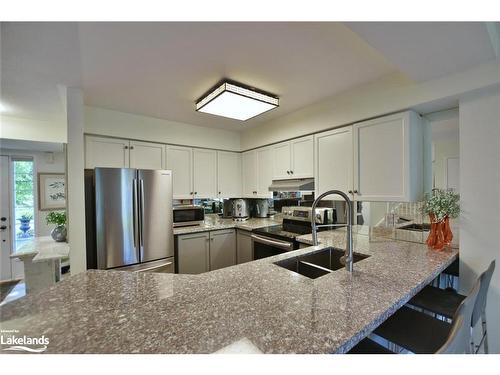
188,215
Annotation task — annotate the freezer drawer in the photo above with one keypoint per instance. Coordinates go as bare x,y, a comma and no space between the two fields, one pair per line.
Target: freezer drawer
157,266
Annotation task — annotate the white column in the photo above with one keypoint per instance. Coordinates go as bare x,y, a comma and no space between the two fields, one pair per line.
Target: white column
480,199
75,180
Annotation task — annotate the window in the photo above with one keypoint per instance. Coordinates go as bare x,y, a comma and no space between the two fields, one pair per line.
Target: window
24,200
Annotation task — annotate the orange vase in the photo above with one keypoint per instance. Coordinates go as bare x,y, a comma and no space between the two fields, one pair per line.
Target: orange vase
448,234
436,239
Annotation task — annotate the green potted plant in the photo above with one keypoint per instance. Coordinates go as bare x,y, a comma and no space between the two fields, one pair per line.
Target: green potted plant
59,233
441,205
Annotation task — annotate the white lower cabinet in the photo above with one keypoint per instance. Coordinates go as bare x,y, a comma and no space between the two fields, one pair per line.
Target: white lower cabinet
193,253
244,252
206,251
222,249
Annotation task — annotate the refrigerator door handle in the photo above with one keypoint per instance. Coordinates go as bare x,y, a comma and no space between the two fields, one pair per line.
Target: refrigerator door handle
141,221
135,208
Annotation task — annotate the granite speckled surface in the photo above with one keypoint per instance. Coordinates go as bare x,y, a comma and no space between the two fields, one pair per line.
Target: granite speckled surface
259,303
214,222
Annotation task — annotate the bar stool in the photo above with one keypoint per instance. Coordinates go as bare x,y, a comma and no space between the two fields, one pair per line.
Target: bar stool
444,302
431,339
420,333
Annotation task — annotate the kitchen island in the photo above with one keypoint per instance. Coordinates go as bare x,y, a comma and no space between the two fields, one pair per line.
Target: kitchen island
270,307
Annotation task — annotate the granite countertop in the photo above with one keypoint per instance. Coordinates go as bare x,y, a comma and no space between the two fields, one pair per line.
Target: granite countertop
260,304
214,222
42,249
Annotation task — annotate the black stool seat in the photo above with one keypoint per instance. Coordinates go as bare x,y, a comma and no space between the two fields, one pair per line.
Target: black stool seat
453,268
440,301
367,346
415,331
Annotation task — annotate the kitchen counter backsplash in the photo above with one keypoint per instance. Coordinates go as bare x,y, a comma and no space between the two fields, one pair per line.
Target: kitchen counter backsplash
215,222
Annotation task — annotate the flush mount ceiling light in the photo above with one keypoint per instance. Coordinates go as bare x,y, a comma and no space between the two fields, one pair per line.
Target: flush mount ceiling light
235,100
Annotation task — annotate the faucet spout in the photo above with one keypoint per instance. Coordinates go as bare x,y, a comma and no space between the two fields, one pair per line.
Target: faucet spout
348,257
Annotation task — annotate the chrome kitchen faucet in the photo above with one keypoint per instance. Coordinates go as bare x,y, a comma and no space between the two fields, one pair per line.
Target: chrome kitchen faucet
348,257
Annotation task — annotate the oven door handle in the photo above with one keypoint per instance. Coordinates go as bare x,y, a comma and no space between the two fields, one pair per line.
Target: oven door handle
275,243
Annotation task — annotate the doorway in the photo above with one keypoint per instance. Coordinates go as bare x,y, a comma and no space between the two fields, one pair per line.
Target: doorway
23,201
5,222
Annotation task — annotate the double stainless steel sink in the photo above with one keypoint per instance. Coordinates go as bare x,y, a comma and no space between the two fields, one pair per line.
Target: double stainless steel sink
318,263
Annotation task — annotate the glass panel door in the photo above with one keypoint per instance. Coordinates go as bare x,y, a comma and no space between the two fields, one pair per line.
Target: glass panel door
23,201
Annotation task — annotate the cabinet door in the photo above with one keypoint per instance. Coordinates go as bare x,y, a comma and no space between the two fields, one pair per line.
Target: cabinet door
106,152
179,161
264,172
229,174
302,157
204,173
281,161
193,253
222,249
249,173
334,161
381,159
244,252
145,155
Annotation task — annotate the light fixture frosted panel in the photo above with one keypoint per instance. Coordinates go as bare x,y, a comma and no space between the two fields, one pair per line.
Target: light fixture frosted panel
235,101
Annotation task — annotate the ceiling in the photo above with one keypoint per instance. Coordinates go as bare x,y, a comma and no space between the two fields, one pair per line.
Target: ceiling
160,69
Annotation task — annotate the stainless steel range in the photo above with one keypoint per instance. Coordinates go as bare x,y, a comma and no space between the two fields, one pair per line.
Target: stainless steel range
277,239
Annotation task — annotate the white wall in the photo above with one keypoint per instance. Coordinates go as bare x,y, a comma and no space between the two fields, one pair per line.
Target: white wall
32,130
75,180
43,162
388,94
480,197
119,124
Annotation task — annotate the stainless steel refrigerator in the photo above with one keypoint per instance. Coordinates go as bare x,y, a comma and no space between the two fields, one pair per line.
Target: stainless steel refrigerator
132,219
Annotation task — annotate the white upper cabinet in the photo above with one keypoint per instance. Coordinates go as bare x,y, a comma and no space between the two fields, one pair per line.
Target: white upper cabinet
264,172
229,174
302,160
294,159
145,155
334,161
204,173
106,152
281,161
249,173
179,161
388,158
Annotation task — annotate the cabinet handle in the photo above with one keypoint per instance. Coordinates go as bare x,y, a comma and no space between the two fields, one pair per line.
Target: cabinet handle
190,193
131,147
350,192
291,172
126,147
219,192
195,192
356,192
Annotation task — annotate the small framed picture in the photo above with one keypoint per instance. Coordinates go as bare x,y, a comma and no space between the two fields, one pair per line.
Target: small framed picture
51,191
